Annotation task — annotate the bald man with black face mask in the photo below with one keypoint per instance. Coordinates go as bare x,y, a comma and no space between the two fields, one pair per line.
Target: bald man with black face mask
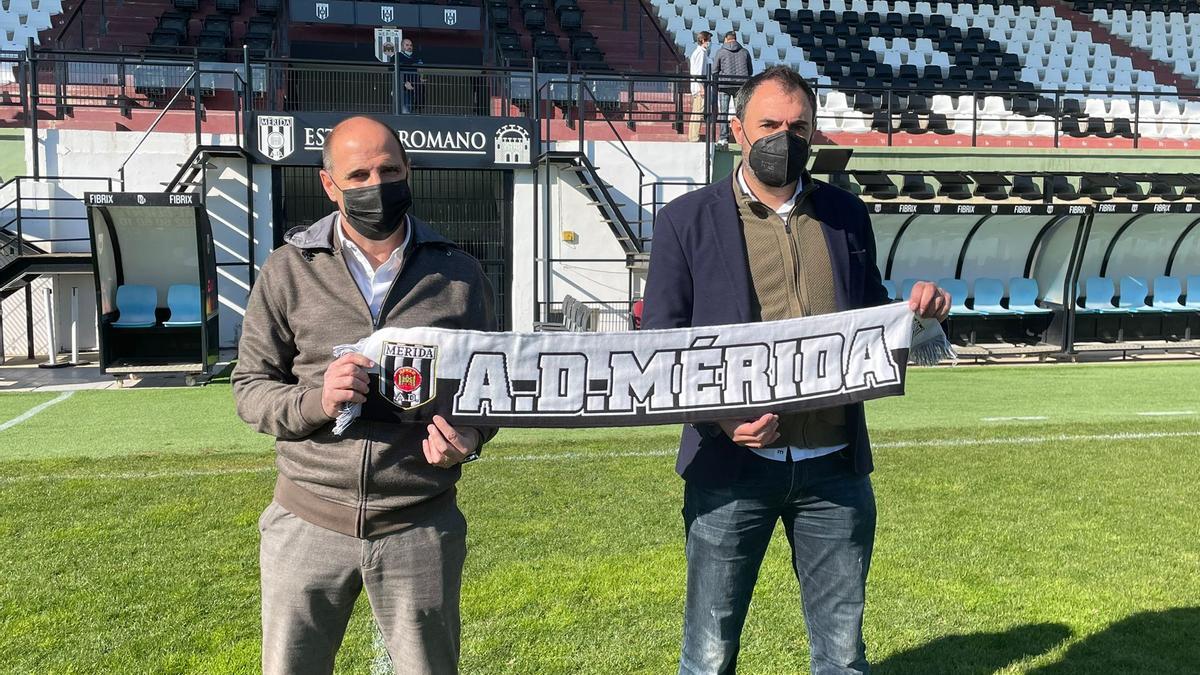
373,509
771,242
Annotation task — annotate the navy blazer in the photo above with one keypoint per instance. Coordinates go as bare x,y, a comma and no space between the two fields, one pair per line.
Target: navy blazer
699,276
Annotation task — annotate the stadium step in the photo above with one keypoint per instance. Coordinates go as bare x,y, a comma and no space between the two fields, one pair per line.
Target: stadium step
599,196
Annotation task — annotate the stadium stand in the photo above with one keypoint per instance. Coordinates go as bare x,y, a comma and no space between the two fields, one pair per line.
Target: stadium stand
1007,70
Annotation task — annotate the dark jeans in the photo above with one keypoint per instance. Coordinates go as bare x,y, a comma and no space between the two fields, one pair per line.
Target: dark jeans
828,514
723,114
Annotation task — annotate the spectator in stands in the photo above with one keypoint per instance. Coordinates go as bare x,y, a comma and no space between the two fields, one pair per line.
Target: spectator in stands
731,66
770,242
700,67
407,61
376,507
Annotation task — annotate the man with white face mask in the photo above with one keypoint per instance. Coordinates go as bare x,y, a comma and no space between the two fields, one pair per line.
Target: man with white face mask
770,242
374,509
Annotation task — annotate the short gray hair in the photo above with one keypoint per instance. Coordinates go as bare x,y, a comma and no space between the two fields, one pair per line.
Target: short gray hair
789,79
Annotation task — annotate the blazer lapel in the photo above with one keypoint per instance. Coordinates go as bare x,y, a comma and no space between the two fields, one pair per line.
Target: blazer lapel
725,227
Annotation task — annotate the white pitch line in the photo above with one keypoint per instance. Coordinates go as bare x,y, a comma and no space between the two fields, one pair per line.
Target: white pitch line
573,455
1167,413
35,410
1028,418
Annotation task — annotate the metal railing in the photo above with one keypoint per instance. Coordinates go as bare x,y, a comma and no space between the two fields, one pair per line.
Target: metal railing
296,85
660,106
26,207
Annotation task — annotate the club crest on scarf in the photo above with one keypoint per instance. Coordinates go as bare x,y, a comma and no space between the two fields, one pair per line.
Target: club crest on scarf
407,374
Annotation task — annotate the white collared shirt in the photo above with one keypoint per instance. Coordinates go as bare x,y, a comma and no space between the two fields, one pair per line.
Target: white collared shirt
698,66
780,454
372,282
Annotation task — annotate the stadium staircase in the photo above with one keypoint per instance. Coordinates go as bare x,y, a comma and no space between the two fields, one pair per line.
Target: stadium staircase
22,261
600,196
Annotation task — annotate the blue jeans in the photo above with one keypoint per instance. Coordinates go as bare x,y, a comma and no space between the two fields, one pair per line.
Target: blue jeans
828,514
722,113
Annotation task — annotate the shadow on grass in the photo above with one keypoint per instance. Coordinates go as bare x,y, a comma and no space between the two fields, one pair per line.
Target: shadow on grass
976,654
1149,642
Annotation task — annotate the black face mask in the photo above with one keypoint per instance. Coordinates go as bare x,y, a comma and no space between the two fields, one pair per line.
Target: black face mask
779,159
376,211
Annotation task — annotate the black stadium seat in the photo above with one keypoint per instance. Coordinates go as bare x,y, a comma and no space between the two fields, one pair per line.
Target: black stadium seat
916,187
1024,187
1061,188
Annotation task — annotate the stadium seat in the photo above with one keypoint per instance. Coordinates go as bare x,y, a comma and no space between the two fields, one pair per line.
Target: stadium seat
1023,297
1097,297
1168,293
135,305
957,288
989,293
1133,294
1193,292
184,302
890,286
906,287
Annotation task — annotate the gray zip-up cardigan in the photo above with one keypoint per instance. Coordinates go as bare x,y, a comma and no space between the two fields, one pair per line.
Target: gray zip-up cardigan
374,479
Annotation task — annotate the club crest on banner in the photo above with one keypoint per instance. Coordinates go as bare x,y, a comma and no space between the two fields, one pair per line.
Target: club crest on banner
407,375
451,17
276,137
387,13
322,10
387,42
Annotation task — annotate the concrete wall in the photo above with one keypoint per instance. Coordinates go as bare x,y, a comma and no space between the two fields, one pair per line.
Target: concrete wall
592,268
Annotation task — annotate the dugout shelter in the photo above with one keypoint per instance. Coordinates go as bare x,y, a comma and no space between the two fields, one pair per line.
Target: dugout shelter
156,292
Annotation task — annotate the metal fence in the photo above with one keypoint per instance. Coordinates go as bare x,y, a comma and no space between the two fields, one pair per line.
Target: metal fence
305,86
574,106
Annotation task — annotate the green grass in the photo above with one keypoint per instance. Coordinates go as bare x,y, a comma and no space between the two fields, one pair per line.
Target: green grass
12,153
128,544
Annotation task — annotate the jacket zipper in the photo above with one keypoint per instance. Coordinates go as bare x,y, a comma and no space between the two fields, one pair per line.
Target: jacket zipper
802,295
376,324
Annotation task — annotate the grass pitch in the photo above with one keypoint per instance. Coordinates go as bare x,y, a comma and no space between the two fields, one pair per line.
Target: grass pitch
1063,543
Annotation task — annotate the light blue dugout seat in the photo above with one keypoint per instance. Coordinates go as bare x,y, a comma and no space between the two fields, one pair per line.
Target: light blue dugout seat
1097,297
1193,292
1167,294
891,288
988,295
184,302
136,305
906,287
1023,297
957,288
1134,292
